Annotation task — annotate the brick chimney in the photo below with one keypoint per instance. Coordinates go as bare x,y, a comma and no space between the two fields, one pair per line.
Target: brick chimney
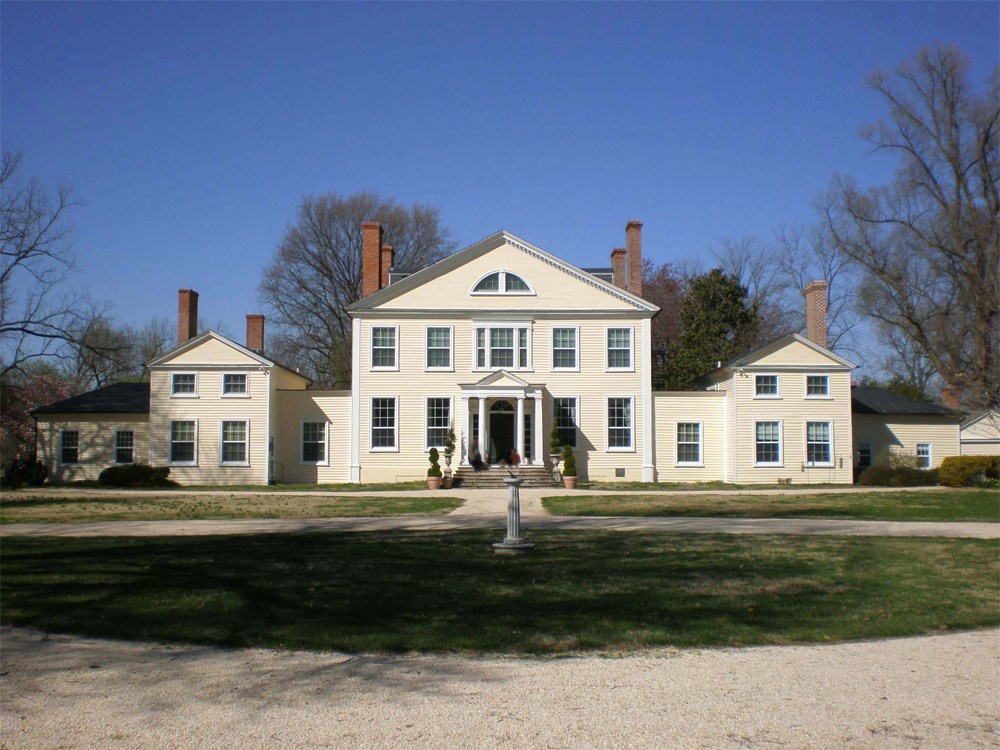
387,256
371,257
950,397
255,333
633,244
187,315
815,294
618,267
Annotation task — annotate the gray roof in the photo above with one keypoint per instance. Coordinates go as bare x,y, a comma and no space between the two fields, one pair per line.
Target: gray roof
879,401
118,398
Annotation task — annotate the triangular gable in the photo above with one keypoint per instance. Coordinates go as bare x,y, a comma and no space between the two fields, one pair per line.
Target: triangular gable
985,425
792,351
501,379
211,348
575,286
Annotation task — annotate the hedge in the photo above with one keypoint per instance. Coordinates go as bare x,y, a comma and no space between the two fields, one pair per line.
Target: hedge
897,476
135,475
965,471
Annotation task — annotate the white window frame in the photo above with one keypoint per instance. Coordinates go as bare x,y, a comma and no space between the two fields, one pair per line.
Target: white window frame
758,395
501,289
62,447
631,349
868,447
781,447
576,418
488,327
630,448
170,444
805,444
395,349
930,455
131,447
677,443
427,420
173,385
451,349
576,349
815,396
246,380
394,448
245,441
326,442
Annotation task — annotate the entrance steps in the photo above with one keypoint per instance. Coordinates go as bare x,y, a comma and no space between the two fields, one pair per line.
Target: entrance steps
533,476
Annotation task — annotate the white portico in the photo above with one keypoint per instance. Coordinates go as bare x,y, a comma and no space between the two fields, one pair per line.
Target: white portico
501,412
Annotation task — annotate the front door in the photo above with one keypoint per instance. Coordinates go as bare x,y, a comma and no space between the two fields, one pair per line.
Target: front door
501,435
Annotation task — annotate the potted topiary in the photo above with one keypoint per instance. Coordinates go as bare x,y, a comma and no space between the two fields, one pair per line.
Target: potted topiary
449,444
434,473
569,468
555,447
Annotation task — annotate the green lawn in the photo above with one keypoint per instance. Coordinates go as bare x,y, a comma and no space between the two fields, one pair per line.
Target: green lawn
925,505
40,508
447,591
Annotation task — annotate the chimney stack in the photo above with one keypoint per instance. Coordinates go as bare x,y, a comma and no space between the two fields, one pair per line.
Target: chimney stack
371,257
618,267
815,294
633,244
187,315
255,333
387,256
950,397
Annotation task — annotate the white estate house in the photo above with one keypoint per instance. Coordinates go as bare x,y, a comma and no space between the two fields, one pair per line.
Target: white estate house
501,340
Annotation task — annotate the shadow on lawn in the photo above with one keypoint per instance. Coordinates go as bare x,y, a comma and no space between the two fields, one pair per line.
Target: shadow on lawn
428,591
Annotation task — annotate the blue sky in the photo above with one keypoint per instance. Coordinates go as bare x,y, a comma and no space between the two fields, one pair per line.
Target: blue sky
191,131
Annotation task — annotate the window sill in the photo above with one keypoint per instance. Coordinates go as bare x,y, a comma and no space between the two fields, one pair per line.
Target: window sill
183,463
689,465
819,398
819,466
183,395
780,465
235,395
619,369
758,397
384,369
384,450
226,464
630,449
314,463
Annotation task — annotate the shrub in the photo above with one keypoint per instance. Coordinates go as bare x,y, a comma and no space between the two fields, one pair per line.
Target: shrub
555,444
135,475
965,471
435,470
24,471
569,462
897,476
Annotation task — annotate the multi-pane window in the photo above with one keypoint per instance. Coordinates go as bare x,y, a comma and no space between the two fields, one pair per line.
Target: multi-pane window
501,282
383,423
864,455
234,384
503,347
182,442
314,442
564,348
619,348
438,419
182,384
69,447
817,386
768,442
689,443
923,455
439,348
383,347
489,283
564,415
234,442
514,283
124,447
619,423
819,446
765,385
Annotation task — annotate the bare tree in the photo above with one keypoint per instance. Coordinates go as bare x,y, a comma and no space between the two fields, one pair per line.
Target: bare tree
316,274
928,243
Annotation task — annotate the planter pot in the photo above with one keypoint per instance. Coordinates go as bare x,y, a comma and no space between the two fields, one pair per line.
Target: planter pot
555,458
447,460
433,483
446,483
569,483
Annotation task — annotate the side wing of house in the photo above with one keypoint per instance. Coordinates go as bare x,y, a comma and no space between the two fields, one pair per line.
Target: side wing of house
980,435
77,447
314,437
502,341
691,436
920,440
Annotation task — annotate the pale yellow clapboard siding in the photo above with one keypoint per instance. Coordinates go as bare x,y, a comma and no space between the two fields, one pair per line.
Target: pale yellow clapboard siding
982,437
97,442
795,353
209,410
554,288
896,434
706,407
298,406
211,351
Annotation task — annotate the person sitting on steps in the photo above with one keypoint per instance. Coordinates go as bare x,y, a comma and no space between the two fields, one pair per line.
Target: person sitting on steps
476,461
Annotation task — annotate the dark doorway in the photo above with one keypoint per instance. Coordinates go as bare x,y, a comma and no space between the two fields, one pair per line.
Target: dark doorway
501,435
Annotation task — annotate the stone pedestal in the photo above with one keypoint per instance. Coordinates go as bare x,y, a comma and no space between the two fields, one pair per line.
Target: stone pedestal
513,544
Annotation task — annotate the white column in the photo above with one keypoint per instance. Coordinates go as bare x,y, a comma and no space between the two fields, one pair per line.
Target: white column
536,422
467,425
519,441
484,446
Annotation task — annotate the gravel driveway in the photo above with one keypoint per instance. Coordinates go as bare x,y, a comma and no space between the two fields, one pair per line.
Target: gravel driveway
929,692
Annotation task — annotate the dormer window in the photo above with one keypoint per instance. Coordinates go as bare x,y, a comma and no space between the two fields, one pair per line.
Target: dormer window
501,282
